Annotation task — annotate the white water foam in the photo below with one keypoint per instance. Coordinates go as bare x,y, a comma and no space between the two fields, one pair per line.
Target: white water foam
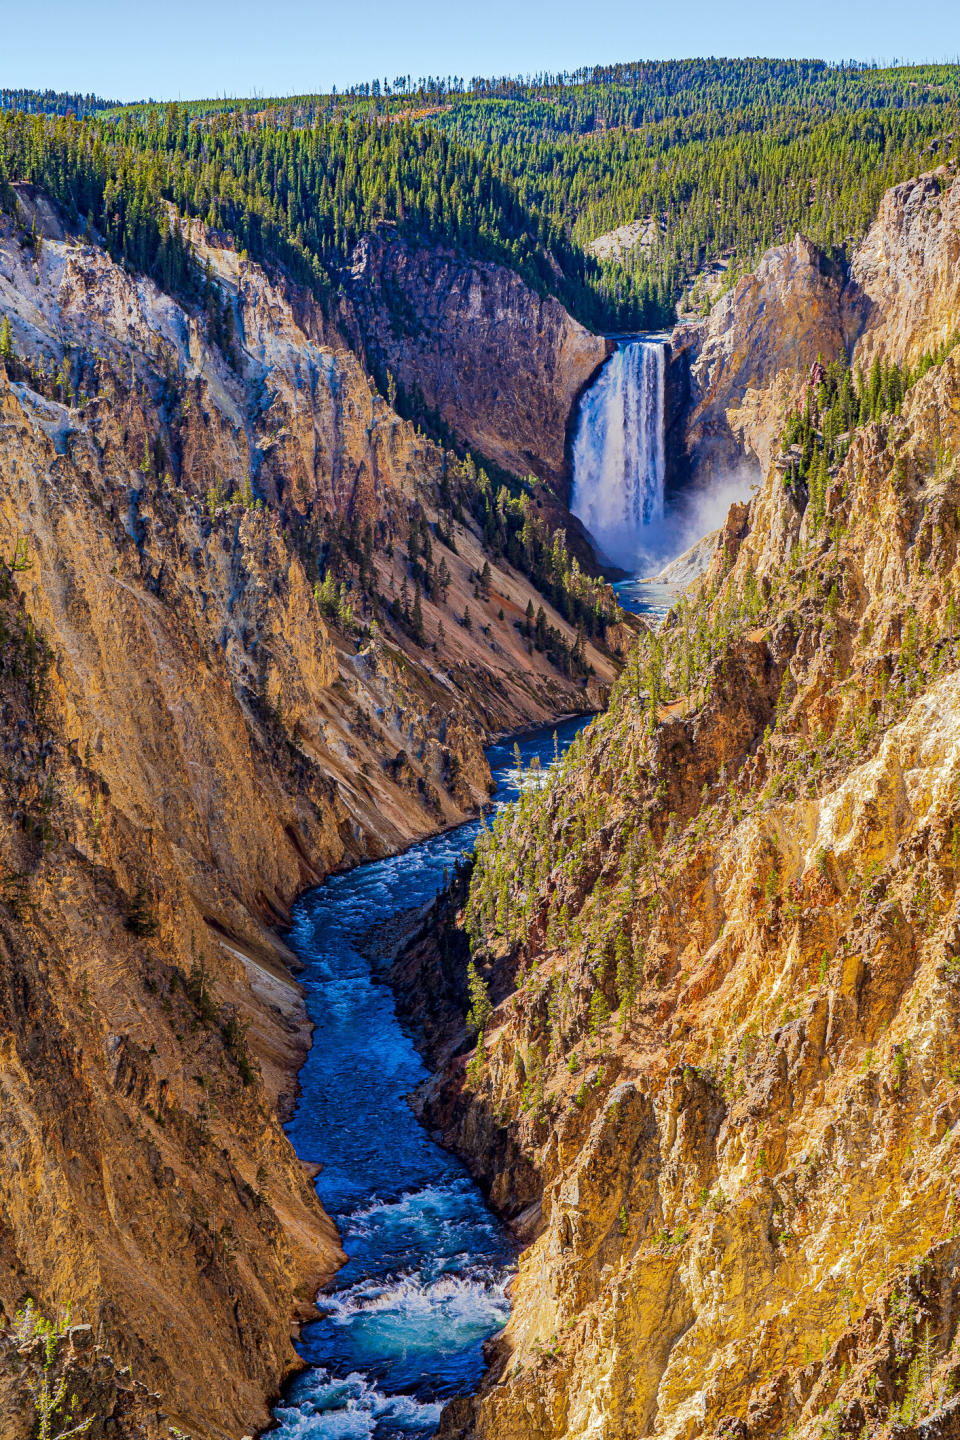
351,1409
429,1199
619,463
453,1301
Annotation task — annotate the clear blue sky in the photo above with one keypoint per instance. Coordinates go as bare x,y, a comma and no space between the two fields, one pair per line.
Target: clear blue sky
128,49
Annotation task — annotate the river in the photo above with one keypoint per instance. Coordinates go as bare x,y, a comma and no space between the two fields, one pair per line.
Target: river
403,1325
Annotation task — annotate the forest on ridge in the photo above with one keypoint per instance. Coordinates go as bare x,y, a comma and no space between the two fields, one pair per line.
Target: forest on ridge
722,157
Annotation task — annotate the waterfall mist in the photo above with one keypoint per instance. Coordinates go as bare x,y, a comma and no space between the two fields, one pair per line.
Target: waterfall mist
697,513
619,467
618,451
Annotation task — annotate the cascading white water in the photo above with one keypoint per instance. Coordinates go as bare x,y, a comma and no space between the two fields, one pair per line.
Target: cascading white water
618,452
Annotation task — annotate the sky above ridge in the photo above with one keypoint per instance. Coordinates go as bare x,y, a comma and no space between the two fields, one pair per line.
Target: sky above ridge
201,48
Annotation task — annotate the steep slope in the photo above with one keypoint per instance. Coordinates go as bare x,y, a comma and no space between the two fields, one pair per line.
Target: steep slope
146,1180
718,1085
501,367
903,295
217,687
734,374
747,360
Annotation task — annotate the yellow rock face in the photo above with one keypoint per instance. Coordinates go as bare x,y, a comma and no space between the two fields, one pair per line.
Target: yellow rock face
742,1186
904,293
188,743
753,354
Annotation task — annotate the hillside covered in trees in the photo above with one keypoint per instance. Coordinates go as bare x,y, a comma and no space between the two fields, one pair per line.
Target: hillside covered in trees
719,158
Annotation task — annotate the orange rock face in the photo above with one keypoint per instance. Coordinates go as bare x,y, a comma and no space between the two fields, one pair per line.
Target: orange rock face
188,741
719,1091
748,360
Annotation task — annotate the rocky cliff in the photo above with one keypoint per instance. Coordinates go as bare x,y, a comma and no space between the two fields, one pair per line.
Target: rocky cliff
903,295
195,729
897,298
748,358
718,1087
501,367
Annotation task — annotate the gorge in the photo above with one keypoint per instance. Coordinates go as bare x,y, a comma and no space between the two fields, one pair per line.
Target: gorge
320,423
196,731
725,935
425,1283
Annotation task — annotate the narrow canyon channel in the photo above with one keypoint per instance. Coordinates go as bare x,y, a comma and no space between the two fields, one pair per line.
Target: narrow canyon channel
403,1326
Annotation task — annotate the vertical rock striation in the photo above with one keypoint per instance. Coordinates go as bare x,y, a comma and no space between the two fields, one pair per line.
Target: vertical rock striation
903,294
189,738
501,366
719,1090
747,360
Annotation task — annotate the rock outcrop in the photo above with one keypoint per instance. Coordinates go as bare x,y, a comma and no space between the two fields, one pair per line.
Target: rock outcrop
903,294
719,1090
499,365
747,360
37,1366
896,300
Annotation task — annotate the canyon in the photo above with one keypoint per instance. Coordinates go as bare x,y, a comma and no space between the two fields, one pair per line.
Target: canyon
501,367
274,573
194,732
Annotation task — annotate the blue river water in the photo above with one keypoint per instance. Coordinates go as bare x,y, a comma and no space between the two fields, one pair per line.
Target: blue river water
646,597
403,1325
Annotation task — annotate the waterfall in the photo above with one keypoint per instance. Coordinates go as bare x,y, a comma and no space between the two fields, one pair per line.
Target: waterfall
618,454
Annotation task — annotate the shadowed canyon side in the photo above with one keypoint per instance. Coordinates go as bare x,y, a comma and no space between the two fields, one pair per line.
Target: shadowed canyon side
717,1090
501,368
198,724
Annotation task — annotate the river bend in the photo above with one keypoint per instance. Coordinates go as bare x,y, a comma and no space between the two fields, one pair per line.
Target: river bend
403,1325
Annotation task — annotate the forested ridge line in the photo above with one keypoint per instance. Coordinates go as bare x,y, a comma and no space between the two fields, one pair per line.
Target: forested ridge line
722,157
296,196
53,102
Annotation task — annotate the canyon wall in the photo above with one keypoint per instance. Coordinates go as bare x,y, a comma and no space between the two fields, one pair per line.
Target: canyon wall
733,375
193,731
502,367
903,295
748,358
718,1092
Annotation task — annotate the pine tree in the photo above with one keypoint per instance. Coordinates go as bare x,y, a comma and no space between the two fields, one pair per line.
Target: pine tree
481,1009
6,341
580,648
599,1014
416,618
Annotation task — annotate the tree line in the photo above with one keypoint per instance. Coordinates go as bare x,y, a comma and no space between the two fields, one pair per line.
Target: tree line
721,158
